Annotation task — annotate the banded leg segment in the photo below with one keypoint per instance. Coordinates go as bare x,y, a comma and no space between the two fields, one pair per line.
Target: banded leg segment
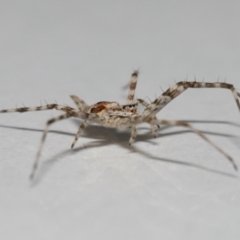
141,101
39,108
159,103
153,126
51,121
131,93
81,128
133,135
82,106
132,87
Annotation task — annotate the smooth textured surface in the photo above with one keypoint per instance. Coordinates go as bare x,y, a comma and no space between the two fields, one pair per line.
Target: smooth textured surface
172,187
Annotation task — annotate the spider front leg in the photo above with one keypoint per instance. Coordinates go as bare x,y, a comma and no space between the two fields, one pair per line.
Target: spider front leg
153,108
49,122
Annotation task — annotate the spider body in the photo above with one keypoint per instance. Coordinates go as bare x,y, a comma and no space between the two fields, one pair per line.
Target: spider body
114,115
110,114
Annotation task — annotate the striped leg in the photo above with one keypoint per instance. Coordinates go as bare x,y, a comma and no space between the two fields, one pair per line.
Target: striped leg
154,127
159,103
81,128
186,125
39,108
51,121
141,101
133,135
130,98
132,87
80,103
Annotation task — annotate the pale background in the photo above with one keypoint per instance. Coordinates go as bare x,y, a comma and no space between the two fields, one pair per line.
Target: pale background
172,187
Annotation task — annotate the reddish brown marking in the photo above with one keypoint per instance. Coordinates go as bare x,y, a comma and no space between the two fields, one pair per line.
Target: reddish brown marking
98,107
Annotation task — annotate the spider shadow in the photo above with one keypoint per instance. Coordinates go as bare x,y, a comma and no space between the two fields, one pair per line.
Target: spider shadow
121,138
208,122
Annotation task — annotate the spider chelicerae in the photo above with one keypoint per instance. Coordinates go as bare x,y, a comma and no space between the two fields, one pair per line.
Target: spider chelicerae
114,115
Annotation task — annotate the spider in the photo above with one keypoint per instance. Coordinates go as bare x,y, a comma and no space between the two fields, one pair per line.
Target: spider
114,115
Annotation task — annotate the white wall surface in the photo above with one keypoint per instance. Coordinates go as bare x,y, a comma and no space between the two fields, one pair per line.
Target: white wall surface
173,187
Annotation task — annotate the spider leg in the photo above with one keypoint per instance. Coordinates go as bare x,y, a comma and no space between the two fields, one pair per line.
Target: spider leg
80,103
49,122
131,93
39,108
186,125
133,135
81,128
143,102
132,87
154,127
159,103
